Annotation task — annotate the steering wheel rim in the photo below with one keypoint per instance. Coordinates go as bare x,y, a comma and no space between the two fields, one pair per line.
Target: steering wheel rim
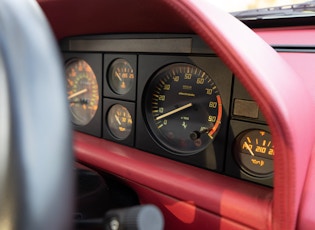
36,184
269,79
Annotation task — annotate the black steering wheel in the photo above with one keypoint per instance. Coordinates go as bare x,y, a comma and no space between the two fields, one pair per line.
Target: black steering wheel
36,178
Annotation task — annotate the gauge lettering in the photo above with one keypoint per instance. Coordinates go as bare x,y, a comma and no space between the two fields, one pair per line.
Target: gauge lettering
183,108
119,121
121,76
254,152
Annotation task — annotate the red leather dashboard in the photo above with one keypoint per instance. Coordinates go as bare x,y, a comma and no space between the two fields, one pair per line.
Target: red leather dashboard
188,195
282,85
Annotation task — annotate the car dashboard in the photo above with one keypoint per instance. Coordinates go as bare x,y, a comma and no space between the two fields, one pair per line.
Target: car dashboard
128,72
195,122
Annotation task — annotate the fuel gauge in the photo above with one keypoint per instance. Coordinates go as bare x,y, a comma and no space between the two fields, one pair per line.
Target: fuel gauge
254,152
119,121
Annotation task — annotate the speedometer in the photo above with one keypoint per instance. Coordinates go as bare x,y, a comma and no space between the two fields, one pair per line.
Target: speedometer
83,95
183,108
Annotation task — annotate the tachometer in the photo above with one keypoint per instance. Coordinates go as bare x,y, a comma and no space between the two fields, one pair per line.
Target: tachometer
183,108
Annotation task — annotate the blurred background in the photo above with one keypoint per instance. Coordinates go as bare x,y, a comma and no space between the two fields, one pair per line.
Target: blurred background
237,5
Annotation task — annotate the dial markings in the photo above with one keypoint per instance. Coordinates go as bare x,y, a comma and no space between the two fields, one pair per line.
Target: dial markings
82,87
173,111
178,104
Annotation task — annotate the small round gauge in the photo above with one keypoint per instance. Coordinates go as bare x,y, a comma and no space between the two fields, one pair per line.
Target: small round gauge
183,108
254,152
121,76
119,121
82,88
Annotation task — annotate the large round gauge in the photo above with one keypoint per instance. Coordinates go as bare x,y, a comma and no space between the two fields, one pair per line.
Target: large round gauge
82,87
183,108
119,121
121,76
254,152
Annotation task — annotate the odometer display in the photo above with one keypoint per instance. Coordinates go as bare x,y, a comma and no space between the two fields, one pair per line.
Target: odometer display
183,108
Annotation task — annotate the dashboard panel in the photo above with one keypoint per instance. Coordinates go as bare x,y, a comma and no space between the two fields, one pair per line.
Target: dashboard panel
111,98
182,73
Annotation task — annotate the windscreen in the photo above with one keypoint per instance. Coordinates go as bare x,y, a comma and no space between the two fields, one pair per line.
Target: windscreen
240,5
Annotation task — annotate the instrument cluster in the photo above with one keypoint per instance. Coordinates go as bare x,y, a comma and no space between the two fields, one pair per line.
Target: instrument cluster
183,105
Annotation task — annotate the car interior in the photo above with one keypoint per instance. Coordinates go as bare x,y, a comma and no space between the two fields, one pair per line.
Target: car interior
160,114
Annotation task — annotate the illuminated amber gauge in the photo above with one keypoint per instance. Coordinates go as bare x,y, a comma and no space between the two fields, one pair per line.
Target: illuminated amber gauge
254,152
119,121
121,76
83,94
183,108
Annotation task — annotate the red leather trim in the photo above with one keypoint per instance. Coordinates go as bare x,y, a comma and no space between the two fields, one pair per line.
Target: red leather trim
284,98
303,64
270,81
184,214
80,17
306,218
288,36
239,203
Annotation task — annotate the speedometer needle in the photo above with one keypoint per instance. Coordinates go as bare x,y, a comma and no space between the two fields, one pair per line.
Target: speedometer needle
249,149
173,111
77,93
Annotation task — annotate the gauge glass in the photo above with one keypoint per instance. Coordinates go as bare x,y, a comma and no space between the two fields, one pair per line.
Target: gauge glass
121,76
82,88
183,108
254,152
119,121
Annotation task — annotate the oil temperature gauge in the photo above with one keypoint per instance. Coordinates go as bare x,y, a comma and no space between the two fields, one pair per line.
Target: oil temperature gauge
119,121
254,152
121,76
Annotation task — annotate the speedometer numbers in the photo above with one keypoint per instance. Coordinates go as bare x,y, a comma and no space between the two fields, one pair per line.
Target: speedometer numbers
183,108
83,94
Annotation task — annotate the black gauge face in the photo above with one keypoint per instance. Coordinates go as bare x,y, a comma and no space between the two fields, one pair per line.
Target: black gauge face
254,152
82,88
121,76
119,121
183,108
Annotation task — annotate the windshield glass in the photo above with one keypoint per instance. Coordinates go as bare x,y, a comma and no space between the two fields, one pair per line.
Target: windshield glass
240,5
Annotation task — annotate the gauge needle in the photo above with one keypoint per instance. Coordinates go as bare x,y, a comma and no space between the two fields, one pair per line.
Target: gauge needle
117,119
117,75
173,111
249,149
77,93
